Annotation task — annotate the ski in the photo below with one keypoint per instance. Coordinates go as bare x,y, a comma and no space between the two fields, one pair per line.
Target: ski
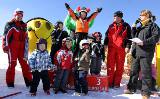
9,95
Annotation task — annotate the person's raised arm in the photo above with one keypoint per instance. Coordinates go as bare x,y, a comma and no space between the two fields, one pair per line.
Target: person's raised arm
71,12
94,14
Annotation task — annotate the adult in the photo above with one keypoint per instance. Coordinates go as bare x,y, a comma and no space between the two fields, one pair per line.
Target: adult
57,36
118,45
14,42
148,32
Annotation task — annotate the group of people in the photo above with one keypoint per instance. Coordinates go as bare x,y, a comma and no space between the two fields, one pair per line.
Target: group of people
83,53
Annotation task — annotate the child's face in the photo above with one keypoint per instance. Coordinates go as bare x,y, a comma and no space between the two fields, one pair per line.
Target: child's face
69,44
97,37
85,46
90,40
42,47
83,15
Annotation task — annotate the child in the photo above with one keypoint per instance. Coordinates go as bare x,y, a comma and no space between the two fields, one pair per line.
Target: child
64,65
52,74
81,69
90,39
96,54
40,63
82,22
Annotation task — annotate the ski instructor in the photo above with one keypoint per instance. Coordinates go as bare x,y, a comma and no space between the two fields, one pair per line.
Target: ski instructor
14,44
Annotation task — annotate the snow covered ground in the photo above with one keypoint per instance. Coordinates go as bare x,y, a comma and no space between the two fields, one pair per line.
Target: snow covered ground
20,86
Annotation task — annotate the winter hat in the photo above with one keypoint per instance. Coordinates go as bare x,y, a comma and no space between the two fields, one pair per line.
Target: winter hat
42,41
119,14
17,11
68,39
83,42
83,9
99,34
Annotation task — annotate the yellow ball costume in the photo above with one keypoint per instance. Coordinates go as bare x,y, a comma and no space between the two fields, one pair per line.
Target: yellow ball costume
39,28
158,64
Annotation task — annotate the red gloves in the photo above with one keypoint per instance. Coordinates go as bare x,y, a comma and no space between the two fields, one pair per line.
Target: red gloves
5,49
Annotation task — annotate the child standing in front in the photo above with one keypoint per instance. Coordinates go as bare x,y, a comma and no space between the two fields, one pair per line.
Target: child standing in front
96,54
64,65
81,69
40,63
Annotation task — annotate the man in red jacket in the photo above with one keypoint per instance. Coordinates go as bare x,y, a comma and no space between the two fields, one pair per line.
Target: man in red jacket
14,40
118,45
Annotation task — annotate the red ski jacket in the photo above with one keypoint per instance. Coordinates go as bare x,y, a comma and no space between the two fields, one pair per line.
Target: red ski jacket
63,59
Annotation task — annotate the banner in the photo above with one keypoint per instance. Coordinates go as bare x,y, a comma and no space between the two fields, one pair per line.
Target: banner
95,83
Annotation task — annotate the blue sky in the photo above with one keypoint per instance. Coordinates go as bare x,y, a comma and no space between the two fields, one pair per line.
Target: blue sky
54,10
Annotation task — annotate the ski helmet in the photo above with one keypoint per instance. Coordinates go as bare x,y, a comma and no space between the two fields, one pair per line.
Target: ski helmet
83,9
83,42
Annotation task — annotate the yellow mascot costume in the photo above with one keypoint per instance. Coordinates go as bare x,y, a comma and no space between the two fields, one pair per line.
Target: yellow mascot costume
39,28
158,64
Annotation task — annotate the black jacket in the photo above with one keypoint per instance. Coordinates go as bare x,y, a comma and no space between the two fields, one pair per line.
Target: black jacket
97,50
58,36
149,34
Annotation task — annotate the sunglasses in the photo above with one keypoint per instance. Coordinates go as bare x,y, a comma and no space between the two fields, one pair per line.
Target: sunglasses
142,15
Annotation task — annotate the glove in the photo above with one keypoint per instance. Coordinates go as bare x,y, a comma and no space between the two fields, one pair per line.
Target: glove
5,49
33,69
25,59
137,21
67,5
99,10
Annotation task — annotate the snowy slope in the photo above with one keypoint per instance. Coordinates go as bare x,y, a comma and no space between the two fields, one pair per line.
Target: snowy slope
20,86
